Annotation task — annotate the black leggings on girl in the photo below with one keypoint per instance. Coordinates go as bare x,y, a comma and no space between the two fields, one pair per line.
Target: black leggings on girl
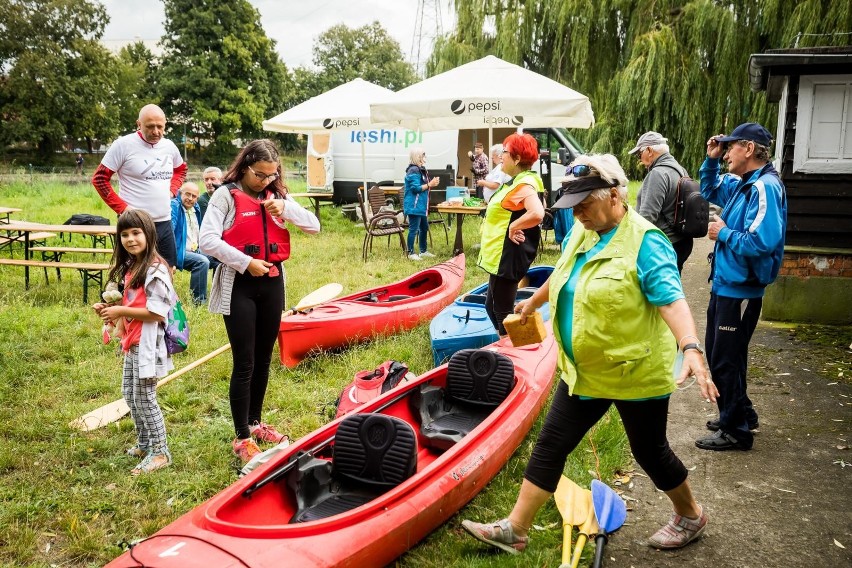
256,305
568,420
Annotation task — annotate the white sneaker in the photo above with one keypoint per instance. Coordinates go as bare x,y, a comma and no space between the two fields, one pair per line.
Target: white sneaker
414,256
427,254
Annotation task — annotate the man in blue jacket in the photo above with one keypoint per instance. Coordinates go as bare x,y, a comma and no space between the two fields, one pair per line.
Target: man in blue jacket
186,220
749,247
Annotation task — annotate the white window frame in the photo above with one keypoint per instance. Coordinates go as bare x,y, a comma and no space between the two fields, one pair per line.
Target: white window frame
804,113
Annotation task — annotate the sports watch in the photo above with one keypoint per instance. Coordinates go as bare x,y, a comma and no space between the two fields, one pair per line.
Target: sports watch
696,346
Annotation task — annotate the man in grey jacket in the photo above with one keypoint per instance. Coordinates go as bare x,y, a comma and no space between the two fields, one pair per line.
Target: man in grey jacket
656,199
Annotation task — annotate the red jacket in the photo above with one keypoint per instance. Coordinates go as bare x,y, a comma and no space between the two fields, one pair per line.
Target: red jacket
254,232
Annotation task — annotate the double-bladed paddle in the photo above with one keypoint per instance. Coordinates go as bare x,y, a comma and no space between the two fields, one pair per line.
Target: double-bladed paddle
610,512
575,505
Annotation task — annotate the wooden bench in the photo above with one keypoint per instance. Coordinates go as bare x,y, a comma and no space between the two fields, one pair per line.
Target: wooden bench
88,271
54,254
9,240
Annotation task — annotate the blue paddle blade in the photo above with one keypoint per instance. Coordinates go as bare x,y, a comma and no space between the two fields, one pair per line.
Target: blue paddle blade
610,509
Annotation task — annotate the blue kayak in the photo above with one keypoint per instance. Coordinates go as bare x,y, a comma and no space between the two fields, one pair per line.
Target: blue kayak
464,324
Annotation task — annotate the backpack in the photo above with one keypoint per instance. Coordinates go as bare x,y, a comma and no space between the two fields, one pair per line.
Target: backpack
369,384
176,326
691,211
86,219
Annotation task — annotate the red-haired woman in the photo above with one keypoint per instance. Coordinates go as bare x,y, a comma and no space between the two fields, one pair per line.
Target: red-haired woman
510,232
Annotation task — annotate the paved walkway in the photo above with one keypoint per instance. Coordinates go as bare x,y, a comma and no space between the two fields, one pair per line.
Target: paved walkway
785,502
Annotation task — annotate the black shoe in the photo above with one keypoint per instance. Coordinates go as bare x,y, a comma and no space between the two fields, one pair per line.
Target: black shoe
713,426
720,442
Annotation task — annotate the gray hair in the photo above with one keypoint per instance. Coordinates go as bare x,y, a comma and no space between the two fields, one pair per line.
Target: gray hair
417,156
660,148
607,167
212,169
497,150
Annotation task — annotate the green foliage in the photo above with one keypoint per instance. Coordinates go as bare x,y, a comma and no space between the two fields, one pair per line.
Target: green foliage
220,75
675,66
342,54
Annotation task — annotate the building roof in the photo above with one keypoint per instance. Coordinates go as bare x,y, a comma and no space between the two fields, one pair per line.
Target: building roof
766,71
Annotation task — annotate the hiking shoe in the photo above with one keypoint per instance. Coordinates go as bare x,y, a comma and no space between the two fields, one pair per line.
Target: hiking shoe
266,433
152,462
720,442
414,256
137,452
426,254
500,534
245,449
679,532
713,426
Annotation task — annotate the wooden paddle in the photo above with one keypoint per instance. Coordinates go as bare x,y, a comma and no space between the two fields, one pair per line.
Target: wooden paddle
317,297
115,410
574,504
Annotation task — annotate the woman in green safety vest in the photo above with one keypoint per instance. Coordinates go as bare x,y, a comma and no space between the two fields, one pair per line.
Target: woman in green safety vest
510,232
619,318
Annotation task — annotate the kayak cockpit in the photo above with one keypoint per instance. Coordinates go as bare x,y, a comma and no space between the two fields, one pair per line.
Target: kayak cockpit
424,283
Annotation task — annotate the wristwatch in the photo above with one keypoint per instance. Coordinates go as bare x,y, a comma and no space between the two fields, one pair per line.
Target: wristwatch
696,346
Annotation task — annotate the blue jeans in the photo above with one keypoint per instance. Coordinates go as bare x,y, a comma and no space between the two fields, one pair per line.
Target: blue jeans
198,264
417,224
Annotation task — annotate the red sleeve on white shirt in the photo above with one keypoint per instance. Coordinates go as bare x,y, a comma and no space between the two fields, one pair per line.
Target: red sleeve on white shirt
101,182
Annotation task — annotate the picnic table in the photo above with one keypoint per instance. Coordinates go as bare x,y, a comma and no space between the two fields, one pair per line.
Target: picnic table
24,232
6,212
460,212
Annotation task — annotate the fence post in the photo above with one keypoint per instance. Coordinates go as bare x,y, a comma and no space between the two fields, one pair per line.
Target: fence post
31,173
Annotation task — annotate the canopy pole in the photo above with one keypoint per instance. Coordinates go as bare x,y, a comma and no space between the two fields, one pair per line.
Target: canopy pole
364,165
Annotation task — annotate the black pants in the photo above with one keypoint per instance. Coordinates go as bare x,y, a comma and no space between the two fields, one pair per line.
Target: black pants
682,248
166,242
256,305
500,300
730,325
568,420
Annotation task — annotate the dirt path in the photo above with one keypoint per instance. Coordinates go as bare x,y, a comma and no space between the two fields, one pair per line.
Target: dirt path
785,503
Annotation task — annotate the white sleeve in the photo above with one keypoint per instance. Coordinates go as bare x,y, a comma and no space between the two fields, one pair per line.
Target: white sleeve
213,226
299,216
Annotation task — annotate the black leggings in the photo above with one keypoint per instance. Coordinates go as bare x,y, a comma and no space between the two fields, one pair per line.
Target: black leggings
568,420
256,305
500,300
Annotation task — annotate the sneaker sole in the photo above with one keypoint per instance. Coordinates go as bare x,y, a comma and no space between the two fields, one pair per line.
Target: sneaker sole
659,546
721,449
472,532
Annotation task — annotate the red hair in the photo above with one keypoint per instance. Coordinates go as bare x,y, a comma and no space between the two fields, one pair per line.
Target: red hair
522,147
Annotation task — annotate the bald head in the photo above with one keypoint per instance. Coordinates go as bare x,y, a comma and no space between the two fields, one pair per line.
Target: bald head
151,123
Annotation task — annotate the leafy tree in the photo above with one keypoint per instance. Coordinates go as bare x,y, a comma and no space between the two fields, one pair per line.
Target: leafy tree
342,54
676,66
52,68
220,75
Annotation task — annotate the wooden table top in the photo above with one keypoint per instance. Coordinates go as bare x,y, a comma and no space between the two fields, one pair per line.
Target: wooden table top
7,210
27,227
313,194
464,209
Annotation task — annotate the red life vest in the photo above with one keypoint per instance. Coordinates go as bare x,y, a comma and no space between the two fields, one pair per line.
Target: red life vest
254,232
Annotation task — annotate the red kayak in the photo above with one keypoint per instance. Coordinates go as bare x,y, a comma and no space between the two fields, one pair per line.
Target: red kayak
380,311
368,486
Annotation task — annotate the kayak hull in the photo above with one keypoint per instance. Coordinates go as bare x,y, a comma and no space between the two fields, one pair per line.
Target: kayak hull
465,324
359,317
233,529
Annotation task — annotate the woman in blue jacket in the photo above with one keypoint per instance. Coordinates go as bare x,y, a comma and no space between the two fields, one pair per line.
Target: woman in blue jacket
415,203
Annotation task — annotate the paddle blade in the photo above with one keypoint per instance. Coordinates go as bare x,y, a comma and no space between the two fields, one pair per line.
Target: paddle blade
610,510
574,504
102,416
319,296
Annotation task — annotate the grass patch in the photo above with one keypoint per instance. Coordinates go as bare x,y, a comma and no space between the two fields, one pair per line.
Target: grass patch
67,497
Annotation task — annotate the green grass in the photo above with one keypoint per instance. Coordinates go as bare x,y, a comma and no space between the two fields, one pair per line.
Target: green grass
67,497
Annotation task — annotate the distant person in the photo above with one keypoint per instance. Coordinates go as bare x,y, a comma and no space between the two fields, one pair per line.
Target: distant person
212,179
245,230
150,173
619,317
495,177
415,202
657,196
749,240
186,222
479,167
139,319
511,230
78,161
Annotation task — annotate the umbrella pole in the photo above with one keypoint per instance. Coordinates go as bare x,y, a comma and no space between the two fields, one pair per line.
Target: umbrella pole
364,168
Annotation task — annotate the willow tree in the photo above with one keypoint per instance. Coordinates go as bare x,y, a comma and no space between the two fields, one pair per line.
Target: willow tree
676,66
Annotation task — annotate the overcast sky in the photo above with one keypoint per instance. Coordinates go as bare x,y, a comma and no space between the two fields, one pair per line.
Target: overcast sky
293,24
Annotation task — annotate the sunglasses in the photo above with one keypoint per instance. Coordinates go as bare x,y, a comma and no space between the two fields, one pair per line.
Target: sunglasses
580,170
263,177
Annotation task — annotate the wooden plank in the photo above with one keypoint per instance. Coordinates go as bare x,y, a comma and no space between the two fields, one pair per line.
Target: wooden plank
52,264
72,249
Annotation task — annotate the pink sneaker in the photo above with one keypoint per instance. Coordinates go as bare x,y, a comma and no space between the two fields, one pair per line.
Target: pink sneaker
266,433
245,449
679,532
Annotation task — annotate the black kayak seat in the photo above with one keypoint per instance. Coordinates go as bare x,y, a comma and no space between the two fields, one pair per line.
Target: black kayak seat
398,297
474,298
525,293
372,454
478,381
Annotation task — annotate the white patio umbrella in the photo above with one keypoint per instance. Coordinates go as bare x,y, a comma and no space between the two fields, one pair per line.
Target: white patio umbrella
485,93
345,107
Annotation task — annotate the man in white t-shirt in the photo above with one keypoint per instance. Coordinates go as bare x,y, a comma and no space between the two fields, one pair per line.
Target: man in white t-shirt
150,172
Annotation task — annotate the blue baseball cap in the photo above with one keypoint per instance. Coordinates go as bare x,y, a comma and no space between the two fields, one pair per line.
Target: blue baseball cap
751,131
